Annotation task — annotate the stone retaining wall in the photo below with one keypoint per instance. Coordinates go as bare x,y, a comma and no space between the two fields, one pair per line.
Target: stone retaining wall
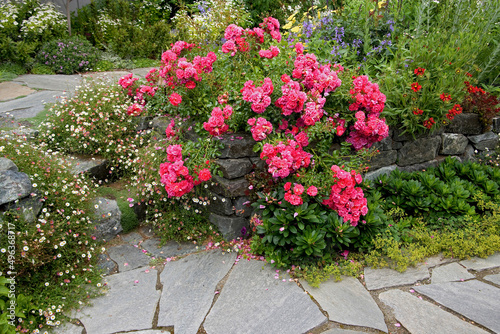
462,138
230,209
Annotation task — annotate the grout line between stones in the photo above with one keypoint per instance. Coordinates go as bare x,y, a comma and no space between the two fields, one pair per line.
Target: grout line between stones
218,287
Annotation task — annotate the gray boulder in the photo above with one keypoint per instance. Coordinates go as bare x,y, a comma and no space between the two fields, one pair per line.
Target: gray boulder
107,219
13,186
453,143
420,150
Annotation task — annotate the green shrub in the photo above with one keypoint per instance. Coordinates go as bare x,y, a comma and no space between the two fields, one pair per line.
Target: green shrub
126,28
68,56
41,69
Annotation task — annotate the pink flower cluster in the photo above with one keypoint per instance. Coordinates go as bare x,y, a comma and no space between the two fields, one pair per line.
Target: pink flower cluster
284,159
293,98
175,176
260,128
316,78
345,198
367,131
259,96
272,27
170,130
216,125
269,54
127,82
236,41
293,195
313,111
367,95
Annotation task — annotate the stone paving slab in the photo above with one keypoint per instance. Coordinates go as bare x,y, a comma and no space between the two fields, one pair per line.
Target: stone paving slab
128,257
133,238
130,304
59,82
449,273
385,278
11,90
253,301
421,317
476,263
348,302
475,300
342,331
170,249
153,331
189,287
67,328
30,105
141,72
112,76
493,278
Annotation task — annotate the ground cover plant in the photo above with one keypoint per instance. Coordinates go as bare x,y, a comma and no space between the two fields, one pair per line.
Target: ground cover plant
54,254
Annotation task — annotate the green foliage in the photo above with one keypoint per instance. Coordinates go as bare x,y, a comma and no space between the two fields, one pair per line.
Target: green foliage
69,55
41,69
25,27
127,28
314,275
204,22
14,308
302,234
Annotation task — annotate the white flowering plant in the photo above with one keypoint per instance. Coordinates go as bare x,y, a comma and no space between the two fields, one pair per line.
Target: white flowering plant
55,255
45,23
94,121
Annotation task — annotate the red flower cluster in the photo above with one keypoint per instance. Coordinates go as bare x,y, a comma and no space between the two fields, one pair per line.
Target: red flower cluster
259,96
445,97
293,195
134,110
313,111
284,159
175,176
416,86
260,128
175,99
368,130
216,125
429,123
235,40
457,109
367,96
419,71
302,139
417,111
345,198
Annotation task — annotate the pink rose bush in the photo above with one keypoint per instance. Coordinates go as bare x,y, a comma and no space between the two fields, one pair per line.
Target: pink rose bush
345,198
303,106
175,176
